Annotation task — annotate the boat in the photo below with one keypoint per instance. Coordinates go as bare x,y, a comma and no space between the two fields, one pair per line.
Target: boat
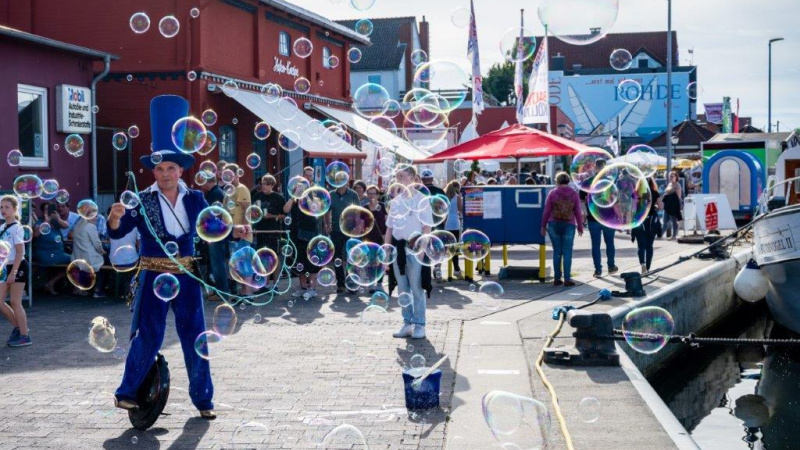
776,238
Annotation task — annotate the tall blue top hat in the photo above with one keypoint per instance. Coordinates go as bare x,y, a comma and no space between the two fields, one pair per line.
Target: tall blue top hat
165,110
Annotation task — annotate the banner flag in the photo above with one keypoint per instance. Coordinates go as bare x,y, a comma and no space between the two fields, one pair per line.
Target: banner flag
473,55
537,105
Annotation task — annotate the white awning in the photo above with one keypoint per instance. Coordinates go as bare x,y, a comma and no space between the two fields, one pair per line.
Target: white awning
320,147
382,137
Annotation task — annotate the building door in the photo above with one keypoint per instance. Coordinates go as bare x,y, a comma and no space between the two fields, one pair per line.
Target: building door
793,170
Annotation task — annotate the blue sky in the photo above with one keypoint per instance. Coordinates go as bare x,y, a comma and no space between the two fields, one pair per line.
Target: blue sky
729,38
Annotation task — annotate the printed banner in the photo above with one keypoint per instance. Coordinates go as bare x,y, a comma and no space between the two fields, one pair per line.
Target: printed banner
473,202
537,105
713,112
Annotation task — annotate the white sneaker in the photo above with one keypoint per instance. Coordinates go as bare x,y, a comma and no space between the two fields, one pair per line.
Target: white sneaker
298,293
311,293
419,332
405,332
644,269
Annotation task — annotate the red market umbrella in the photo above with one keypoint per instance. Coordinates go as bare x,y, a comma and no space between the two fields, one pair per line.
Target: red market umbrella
516,141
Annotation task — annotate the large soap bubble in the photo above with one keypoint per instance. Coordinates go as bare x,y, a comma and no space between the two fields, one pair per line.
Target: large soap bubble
356,221
213,224
585,166
166,286
102,335
447,75
516,421
364,264
513,49
245,267
224,320
370,99
188,135
337,174
647,329
320,251
297,186
81,274
475,245
644,157
631,201
315,202
579,22
28,186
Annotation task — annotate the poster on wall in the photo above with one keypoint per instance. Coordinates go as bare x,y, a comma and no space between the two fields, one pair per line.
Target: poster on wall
73,109
473,202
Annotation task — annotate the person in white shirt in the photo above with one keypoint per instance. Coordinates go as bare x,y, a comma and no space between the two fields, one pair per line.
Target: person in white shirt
70,217
86,245
403,223
124,259
13,271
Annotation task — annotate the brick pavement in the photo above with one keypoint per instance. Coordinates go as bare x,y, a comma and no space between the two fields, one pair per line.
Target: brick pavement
280,383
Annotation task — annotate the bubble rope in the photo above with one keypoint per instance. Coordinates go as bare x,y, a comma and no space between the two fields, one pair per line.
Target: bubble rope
227,297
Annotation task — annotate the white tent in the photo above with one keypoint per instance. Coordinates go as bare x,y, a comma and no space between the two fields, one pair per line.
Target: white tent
640,159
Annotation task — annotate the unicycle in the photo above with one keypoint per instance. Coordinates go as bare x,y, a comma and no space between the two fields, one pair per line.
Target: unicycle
152,395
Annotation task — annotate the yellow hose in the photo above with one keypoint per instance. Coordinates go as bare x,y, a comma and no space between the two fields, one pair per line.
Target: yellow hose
561,421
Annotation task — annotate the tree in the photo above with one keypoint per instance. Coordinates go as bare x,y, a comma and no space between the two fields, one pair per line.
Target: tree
499,82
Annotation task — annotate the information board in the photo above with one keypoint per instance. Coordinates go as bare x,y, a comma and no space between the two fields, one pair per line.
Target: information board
506,214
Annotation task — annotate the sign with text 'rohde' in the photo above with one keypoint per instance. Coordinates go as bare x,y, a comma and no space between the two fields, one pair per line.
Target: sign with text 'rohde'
73,109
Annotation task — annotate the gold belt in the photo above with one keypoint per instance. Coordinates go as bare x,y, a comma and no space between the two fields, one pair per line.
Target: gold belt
184,264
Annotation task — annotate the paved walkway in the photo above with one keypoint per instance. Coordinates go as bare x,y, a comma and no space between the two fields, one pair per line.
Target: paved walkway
288,379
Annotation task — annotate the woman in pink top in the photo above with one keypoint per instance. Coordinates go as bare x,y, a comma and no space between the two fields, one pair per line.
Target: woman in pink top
562,214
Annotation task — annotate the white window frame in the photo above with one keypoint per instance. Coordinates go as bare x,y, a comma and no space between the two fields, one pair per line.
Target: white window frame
44,160
281,36
326,57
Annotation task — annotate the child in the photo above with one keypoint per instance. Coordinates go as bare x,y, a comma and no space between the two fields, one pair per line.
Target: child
14,271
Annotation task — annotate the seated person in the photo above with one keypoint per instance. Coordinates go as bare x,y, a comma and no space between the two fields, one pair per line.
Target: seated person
48,246
87,246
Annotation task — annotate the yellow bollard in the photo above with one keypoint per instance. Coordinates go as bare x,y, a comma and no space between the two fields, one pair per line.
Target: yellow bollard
505,255
542,262
487,264
450,269
468,269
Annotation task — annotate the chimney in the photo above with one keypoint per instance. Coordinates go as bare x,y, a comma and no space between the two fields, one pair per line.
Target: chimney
594,31
424,37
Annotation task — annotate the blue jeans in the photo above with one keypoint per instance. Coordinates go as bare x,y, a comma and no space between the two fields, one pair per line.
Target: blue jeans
218,260
671,225
596,230
411,282
562,235
644,243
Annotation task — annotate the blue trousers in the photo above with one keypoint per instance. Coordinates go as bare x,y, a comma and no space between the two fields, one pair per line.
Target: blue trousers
150,323
411,282
562,235
218,261
596,231
644,244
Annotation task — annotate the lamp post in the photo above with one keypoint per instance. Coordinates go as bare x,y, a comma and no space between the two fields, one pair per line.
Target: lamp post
669,84
769,86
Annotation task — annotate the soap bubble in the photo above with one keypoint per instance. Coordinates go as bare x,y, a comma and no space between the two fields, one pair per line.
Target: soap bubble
380,298
253,214
118,353
302,85
302,47
418,57
206,344
102,335
647,329
166,286
210,145
81,274
362,5
584,167
389,254
62,196
374,318
213,224
14,157
370,99
356,221
315,202
449,240
345,350
460,17
44,228
417,361
156,158
271,92
124,259
404,299
119,141
262,131
629,91
25,233
694,90
345,435
129,199
354,55
133,131
171,248
49,186
326,277
474,245
251,435
245,267
209,117
257,318
474,350
589,409
289,140
191,75
28,186
337,174
579,22
445,75
364,27
224,320
320,251
629,203
333,62
490,294
510,47
139,22
644,157
194,13
269,261
620,59
169,26
87,209
73,144
189,135
297,186
515,421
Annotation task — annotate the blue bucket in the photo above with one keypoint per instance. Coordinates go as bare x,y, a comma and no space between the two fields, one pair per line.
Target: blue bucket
427,396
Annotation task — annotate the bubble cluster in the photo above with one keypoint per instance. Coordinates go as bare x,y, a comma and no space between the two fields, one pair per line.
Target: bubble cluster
647,329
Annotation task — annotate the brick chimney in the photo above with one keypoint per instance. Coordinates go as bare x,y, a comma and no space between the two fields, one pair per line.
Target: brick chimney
424,37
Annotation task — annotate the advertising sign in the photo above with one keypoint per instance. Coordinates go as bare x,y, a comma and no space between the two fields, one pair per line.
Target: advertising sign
593,102
713,113
73,109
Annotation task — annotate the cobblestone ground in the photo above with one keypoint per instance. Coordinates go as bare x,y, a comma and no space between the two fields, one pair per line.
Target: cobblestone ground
285,381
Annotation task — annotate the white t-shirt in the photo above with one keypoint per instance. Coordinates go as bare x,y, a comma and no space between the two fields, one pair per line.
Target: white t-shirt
72,219
404,221
125,258
12,236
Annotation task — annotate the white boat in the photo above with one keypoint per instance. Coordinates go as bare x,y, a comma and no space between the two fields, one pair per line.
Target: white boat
777,236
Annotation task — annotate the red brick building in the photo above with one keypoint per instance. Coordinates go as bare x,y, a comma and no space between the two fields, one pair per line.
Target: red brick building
247,41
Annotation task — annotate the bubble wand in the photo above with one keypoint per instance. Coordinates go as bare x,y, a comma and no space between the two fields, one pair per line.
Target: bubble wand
418,381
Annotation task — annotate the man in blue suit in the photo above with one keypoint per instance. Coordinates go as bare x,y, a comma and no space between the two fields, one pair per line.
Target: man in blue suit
171,210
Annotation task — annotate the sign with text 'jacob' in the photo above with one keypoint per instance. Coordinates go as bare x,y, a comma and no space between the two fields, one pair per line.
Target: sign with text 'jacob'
73,109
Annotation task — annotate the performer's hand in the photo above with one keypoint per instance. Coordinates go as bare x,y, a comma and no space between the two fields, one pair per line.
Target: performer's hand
117,211
242,232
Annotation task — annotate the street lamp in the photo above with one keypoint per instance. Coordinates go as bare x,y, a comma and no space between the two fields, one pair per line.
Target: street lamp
675,139
769,86
669,83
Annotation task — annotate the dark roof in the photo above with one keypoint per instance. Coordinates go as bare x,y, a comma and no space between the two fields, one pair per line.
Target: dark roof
386,51
47,42
596,55
689,134
313,17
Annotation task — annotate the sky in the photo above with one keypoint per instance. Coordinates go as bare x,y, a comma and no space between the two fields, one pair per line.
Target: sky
729,39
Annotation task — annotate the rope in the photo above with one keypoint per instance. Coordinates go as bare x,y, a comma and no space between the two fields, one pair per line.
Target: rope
553,399
620,335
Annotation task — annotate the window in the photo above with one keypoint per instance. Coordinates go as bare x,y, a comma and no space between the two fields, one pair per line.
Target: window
326,57
374,79
644,63
32,125
283,43
227,143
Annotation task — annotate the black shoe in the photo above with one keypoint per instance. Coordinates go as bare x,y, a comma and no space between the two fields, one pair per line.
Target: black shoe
339,290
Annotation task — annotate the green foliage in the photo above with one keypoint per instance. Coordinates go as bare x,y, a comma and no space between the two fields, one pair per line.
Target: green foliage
499,82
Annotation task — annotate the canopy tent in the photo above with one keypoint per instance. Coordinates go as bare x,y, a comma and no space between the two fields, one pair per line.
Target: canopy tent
516,142
639,159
